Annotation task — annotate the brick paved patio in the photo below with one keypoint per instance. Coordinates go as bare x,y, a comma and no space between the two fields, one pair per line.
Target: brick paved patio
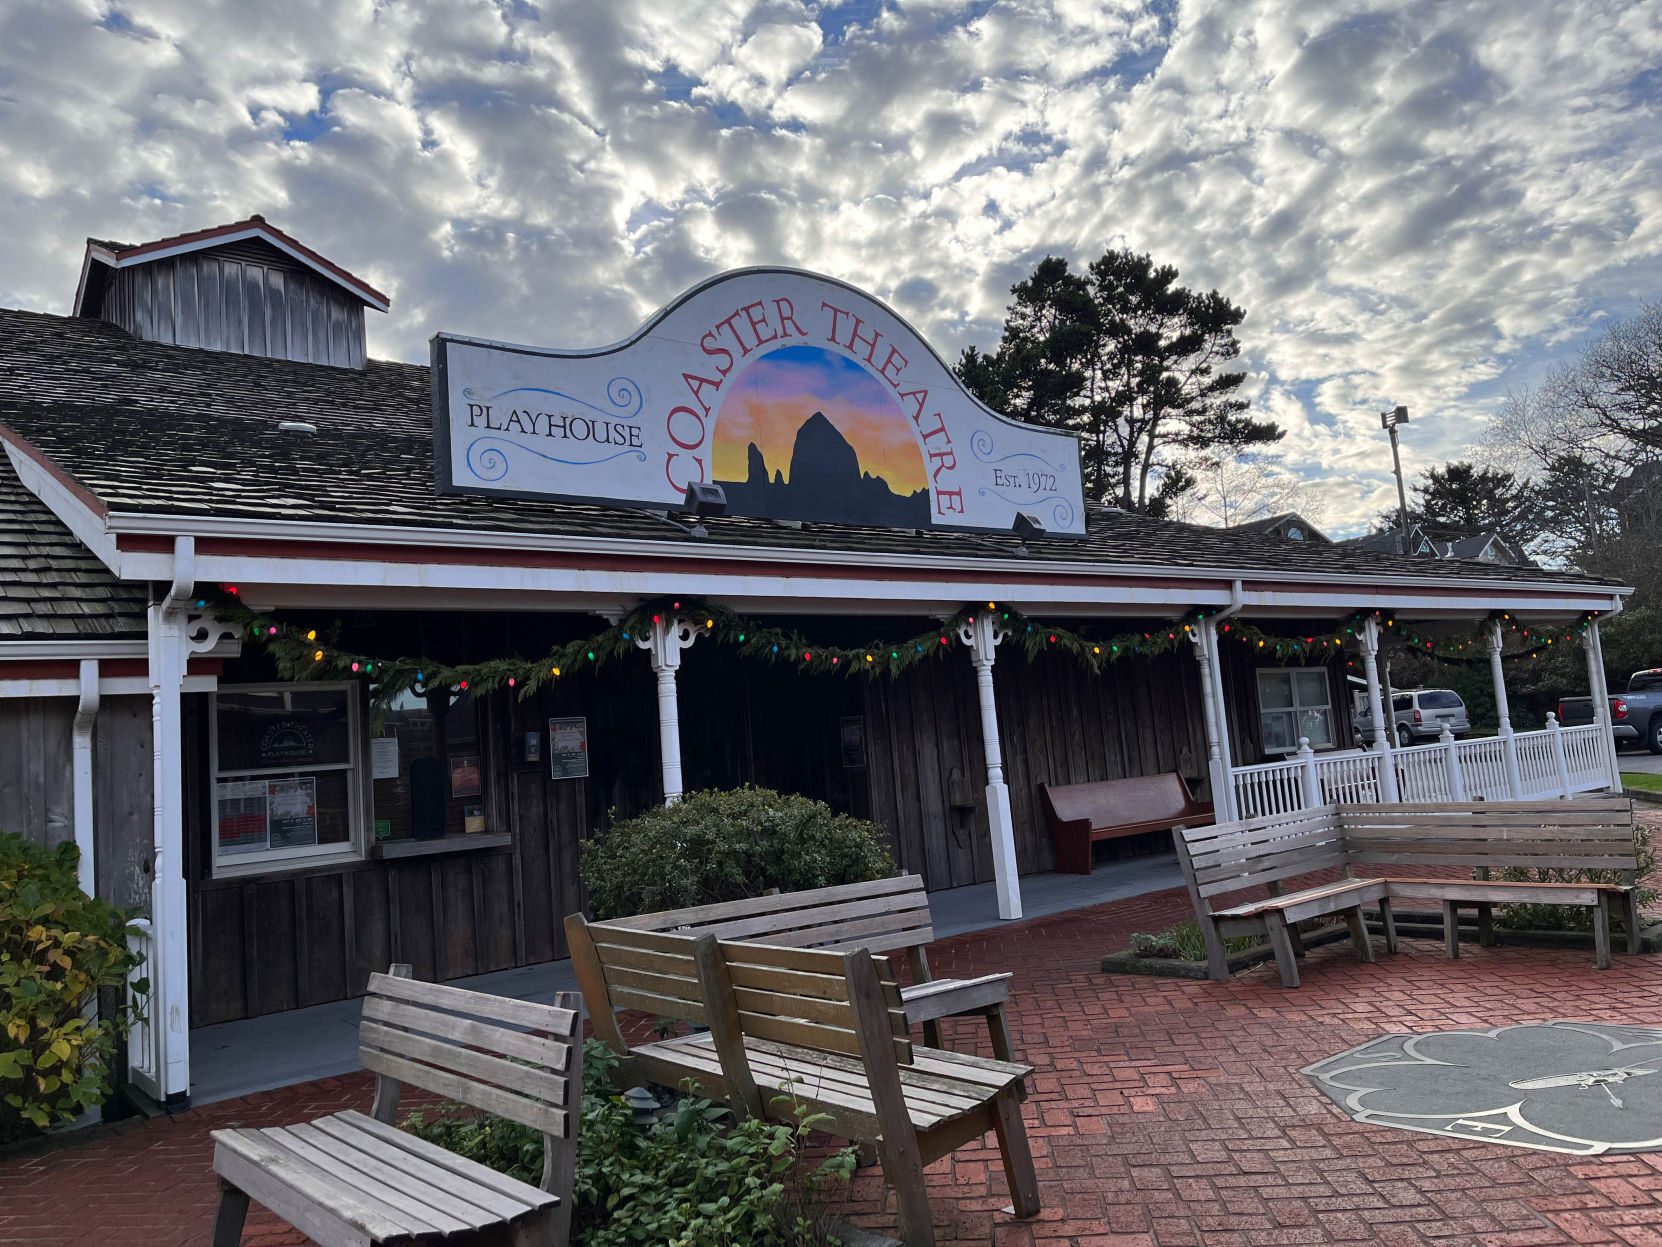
1165,1112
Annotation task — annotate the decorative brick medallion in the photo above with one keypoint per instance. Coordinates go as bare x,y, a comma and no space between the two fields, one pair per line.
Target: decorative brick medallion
1585,1088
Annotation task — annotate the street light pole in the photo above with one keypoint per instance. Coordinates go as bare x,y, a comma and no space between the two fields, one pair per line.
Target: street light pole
1388,420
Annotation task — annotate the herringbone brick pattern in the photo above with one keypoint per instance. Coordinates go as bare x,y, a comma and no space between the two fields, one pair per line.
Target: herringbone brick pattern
1164,1113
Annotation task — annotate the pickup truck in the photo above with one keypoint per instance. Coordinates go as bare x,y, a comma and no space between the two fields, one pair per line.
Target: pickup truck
1635,716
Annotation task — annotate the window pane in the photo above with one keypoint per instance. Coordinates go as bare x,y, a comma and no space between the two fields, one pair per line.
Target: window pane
1402,703
1441,700
1275,690
283,728
1317,726
1278,731
1312,687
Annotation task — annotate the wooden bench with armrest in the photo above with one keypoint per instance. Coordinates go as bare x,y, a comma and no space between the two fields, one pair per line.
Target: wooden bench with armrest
1370,844
882,916
822,1029
355,1179
1081,814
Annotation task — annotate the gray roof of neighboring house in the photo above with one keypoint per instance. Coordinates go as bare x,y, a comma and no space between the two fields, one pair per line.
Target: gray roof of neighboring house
51,586
1258,528
160,429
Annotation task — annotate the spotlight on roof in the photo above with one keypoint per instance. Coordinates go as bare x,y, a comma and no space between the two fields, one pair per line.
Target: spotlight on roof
704,498
1027,526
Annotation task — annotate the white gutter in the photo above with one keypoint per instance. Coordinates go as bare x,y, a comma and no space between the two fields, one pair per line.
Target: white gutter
86,715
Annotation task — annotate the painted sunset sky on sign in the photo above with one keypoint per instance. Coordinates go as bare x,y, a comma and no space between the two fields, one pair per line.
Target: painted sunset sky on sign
778,393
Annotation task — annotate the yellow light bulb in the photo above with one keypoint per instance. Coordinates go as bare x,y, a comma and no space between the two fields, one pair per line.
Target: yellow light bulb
312,635
318,657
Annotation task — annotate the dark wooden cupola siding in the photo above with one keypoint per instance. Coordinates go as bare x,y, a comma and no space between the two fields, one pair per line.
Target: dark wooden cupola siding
246,297
283,940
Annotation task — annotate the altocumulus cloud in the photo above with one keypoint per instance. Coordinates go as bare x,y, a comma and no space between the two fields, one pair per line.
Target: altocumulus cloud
1418,203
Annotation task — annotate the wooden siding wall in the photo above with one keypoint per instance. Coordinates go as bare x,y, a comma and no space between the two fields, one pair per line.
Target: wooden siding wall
1056,725
37,785
264,943
248,298
281,940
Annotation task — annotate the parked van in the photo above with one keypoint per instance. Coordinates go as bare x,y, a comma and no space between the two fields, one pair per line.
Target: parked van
1419,715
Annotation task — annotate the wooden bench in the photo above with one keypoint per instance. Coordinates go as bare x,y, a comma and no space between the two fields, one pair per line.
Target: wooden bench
1081,814
355,1179
812,1027
1369,843
886,915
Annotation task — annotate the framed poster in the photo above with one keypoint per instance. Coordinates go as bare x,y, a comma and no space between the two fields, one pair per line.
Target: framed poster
568,748
853,734
242,815
292,806
464,776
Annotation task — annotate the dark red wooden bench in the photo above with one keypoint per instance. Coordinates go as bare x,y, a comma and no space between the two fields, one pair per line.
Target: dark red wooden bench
1082,814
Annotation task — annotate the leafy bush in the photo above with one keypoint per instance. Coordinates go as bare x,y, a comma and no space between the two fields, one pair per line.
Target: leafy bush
1184,943
724,846
1573,917
693,1179
58,946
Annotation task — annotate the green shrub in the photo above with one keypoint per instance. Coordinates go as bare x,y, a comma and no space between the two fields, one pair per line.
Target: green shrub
1184,943
693,1179
725,846
1572,917
58,946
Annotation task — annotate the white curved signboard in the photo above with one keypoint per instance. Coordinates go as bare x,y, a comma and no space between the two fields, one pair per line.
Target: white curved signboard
801,397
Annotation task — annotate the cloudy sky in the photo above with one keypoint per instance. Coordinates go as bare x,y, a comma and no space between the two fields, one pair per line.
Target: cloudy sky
1424,202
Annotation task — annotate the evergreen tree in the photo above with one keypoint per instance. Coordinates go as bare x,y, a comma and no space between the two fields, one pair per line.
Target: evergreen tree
1461,499
1132,362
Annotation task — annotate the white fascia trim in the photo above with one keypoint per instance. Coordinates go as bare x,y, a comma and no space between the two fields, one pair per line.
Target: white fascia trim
89,528
126,260
119,686
75,651
976,571
417,586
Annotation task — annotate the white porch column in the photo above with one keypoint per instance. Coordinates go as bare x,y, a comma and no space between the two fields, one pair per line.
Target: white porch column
982,634
1599,687
170,966
175,634
1508,745
670,635
1219,770
1367,641
86,714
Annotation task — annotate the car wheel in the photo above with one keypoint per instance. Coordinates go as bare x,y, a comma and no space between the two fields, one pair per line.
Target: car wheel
1653,735
1405,738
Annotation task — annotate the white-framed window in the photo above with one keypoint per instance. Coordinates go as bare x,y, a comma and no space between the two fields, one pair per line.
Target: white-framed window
287,775
1295,702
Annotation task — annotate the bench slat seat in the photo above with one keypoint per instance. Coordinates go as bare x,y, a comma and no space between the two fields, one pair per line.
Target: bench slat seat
381,1186
1325,898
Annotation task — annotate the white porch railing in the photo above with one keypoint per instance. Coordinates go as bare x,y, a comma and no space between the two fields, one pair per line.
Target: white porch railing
144,1060
1555,761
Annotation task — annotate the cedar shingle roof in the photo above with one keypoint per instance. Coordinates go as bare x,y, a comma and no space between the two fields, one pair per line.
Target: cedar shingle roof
51,586
173,430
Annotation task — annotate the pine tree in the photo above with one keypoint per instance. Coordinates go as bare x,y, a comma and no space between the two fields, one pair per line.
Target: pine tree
1132,362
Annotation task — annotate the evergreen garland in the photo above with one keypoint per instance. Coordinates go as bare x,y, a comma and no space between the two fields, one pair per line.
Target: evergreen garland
314,654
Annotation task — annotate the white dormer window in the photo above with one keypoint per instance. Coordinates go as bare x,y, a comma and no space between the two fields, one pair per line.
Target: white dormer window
1295,534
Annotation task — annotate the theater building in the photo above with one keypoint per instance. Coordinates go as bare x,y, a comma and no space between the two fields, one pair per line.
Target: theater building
774,455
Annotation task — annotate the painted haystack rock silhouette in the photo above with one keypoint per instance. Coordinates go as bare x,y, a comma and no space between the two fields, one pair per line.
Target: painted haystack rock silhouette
825,484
